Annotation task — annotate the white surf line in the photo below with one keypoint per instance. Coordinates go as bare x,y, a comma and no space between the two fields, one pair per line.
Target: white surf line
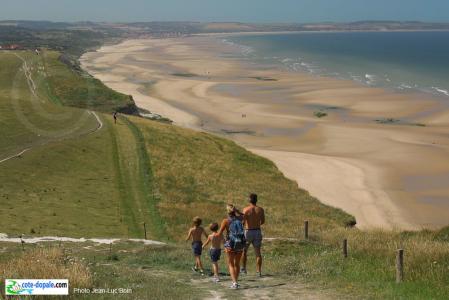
46,239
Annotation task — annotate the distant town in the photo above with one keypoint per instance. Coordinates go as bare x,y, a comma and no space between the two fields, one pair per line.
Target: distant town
75,38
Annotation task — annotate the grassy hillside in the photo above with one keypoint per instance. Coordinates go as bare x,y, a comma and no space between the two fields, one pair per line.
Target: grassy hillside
198,173
88,178
68,176
70,87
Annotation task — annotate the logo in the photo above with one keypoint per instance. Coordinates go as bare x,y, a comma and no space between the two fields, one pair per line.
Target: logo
13,288
36,287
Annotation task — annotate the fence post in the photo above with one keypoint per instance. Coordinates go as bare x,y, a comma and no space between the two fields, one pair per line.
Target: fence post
345,248
400,265
306,230
22,242
145,229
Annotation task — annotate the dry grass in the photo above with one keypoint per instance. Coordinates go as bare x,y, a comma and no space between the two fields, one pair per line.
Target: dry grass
47,263
198,173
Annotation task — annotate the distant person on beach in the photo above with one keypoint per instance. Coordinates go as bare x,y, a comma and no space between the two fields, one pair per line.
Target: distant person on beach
196,233
254,218
115,117
235,242
216,239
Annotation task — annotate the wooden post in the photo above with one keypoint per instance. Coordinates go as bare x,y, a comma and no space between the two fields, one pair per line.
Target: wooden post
22,242
145,229
110,250
345,248
306,230
400,265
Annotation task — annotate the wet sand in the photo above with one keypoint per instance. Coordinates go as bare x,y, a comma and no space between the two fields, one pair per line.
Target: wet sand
386,175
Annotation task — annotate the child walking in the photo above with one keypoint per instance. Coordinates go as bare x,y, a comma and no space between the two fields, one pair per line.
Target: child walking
216,240
196,233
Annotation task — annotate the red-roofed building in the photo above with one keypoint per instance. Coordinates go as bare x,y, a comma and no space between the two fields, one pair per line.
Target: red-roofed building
11,47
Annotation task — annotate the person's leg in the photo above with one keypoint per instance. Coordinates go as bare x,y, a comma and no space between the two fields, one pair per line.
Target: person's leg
197,263
245,250
238,257
245,257
231,262
215,268
200,264
258,259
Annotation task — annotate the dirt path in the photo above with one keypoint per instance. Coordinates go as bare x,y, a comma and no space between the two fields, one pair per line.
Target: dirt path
267,287
42,239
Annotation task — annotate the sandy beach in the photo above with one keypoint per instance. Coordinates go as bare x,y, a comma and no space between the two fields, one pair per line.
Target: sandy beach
386,175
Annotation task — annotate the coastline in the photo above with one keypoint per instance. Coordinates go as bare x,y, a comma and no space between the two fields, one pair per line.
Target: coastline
332,158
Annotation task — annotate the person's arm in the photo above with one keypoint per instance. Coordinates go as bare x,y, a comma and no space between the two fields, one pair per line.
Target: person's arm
207,242
238,211
244,216
262,219
189,235
223,227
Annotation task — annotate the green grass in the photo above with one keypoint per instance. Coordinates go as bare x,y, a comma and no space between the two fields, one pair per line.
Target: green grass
27,120
320,114
184,74
387,121
148,189
68,87
69,183
263,78
198,173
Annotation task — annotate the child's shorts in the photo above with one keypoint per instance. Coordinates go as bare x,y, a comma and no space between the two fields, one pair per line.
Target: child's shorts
197,248
215,254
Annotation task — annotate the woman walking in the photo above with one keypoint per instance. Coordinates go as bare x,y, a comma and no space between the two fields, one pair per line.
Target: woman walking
235,242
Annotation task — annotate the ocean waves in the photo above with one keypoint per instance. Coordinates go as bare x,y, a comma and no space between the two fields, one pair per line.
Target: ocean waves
373,72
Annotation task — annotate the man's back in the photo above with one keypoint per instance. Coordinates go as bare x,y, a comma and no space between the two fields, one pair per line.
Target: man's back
254,217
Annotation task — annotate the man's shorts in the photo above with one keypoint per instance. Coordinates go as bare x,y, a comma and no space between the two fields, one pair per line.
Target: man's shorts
197,248
215,254
253,236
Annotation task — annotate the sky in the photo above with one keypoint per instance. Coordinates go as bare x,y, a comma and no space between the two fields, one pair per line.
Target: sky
258,11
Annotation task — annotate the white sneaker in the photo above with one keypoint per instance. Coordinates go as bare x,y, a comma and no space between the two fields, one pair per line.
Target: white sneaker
234,285
216,279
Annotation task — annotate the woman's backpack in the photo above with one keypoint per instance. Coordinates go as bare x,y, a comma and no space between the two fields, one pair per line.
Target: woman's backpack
236,238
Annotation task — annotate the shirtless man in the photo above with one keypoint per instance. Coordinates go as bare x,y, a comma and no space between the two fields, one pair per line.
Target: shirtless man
254,218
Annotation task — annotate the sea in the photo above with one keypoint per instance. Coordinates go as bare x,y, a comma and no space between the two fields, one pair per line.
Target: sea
406,61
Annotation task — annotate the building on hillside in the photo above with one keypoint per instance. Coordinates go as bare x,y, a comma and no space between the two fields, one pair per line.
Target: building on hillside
11,47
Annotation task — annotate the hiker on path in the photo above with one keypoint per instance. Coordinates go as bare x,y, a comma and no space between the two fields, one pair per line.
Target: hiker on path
254,218
196,233
115,117
235,242
215,239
